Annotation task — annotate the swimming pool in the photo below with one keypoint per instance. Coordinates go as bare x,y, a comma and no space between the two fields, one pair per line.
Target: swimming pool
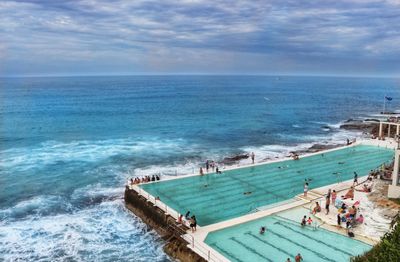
283,239
218,197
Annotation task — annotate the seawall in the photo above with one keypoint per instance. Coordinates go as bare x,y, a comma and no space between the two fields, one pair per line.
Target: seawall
164,224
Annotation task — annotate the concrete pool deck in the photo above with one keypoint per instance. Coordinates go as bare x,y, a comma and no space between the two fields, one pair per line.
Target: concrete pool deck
196,240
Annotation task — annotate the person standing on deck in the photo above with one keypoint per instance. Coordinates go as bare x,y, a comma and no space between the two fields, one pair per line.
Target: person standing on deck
207,166
333,195
355,179
327,203
201,171
252,157
329,193
193,223
305,189
187,215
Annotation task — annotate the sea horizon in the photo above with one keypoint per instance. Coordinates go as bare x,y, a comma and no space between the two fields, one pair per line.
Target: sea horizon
390,76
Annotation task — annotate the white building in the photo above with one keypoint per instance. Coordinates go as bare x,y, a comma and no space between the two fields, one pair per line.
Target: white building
394,188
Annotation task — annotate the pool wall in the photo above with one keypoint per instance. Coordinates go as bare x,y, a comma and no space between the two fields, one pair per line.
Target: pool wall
164,224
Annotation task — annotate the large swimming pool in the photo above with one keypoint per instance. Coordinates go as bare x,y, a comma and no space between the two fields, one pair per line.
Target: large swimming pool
284,238
218,197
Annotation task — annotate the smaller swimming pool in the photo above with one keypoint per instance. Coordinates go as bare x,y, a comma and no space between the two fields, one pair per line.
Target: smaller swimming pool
284,238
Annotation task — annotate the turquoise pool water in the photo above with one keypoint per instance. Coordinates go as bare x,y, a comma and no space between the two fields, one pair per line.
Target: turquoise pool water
218,197
283,239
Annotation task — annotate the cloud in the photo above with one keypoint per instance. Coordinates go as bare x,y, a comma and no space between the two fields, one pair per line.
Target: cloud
101,35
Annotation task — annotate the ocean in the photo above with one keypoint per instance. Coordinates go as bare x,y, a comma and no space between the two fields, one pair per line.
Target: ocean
68,145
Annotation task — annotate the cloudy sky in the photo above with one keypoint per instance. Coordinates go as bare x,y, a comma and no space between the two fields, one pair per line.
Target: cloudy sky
47,37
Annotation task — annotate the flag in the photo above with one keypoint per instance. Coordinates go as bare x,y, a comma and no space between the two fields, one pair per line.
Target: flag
388,98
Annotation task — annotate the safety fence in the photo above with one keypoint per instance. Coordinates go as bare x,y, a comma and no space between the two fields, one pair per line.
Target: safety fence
199,247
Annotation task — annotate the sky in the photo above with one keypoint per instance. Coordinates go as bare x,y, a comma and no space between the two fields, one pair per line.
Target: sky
94,37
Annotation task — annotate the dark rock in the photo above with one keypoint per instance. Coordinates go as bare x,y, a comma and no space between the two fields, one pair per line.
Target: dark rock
326,127
320,147
316,148
358,125
372,120
235,158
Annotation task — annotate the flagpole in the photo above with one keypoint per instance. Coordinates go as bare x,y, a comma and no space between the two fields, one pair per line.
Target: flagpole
384,104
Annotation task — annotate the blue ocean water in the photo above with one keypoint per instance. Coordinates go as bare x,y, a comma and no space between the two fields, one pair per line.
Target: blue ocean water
69,144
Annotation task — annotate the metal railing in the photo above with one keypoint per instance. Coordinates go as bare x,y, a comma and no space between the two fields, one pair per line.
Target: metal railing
200,248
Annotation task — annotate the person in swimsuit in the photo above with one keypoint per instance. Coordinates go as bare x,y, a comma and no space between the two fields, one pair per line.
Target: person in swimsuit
333,196
298,258
187,215
355,179
193,223
317,208
360,219
305,189
303,221
350,193
327,203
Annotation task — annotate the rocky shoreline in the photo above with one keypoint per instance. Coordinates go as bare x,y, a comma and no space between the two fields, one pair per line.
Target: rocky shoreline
367,126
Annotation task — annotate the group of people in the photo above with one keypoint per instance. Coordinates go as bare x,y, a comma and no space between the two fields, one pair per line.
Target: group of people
346,213
366,185
385,171
295,156
297,258
330,195
210,164
306,221
191,219
144,179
